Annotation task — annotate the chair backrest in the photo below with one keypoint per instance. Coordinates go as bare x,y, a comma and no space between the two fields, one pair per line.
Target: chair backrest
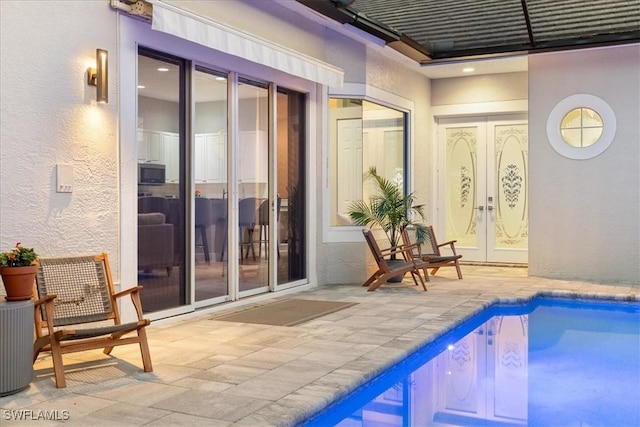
204,213
428,247
247,209
374,248
263,211
82,285
150,204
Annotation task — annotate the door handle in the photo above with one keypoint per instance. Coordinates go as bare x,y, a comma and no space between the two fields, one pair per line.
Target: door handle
489,208
481,208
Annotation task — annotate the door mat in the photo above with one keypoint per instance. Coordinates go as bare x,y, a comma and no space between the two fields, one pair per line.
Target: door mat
290,312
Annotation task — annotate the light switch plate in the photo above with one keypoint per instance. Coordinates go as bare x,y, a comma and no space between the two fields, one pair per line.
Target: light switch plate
64,178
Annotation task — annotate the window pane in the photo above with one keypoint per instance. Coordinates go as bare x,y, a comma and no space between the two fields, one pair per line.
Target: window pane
572,137
363,134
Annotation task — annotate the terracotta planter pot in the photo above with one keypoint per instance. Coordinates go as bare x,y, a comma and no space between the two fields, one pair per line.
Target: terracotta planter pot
18,282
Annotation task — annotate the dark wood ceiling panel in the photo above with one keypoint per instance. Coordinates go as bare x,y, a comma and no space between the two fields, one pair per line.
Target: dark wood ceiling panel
455,28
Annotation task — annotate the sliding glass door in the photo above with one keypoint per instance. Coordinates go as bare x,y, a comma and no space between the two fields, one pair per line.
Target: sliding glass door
222,188
161,185
210,185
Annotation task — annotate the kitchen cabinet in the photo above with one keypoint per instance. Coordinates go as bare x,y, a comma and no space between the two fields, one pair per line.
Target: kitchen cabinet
210,157
150,146
171,148
254,155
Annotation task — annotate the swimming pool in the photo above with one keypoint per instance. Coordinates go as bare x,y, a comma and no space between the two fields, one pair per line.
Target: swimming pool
552,362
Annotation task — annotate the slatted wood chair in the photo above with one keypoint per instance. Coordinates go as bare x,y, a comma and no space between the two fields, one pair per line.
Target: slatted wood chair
429,251
77,310
386,269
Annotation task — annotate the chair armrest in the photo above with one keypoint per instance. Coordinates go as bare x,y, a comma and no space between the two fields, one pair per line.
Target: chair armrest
450,242
398,249
127,291
44,300
135,299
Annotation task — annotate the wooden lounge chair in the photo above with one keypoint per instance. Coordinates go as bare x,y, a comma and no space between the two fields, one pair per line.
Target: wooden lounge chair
386,269
429,251
76,309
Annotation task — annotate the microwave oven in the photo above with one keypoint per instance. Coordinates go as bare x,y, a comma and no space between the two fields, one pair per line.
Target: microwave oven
151,174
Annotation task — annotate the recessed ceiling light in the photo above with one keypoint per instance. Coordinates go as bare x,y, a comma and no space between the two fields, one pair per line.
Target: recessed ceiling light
220,79
468,70
141,87
163,69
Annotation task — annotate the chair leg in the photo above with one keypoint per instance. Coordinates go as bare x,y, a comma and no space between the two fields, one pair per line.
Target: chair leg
458,270
58,367
144,350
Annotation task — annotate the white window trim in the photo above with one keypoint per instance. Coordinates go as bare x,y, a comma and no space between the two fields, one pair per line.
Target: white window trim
349,234
570,103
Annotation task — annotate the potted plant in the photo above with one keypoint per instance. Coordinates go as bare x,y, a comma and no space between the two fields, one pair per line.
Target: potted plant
18,270
389,209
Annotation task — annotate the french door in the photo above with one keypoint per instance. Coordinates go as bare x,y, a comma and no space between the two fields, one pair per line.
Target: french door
483,187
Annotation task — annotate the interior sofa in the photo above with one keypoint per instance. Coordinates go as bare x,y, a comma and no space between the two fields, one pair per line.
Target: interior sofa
155,242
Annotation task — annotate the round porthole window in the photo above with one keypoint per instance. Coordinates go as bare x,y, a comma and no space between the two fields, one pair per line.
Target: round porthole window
581,126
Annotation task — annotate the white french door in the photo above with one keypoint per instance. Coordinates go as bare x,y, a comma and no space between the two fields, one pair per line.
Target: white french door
483,189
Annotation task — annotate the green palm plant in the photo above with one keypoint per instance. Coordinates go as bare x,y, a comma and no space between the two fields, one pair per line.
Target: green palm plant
389,209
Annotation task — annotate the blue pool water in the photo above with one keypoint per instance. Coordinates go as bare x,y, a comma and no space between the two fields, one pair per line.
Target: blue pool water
553,362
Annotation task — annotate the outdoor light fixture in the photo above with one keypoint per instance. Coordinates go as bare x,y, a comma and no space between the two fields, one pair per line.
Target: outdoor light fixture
99,76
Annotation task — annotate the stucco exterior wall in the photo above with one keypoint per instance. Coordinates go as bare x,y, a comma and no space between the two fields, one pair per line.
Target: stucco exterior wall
585,214
485,88
49,116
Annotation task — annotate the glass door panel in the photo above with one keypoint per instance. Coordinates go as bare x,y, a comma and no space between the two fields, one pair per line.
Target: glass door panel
508,240
252,184
161,201
210,186
290,242
464,186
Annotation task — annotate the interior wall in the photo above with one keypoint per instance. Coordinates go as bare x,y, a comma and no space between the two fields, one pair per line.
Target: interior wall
49,116
585,214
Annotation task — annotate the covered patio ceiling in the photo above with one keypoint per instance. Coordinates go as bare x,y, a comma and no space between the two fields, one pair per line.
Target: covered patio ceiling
436,31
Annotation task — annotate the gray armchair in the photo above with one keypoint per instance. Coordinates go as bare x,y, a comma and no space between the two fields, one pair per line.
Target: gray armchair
155,242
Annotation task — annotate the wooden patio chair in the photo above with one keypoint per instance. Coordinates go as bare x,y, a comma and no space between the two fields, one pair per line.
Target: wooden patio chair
387,269
429,251
76,309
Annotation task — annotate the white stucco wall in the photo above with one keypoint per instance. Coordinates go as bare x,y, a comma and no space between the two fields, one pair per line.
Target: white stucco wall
585,214
49,116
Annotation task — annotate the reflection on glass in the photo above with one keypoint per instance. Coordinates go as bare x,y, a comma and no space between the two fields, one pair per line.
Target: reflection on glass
253,182
363,134
291,199
581,127
161,234
210,193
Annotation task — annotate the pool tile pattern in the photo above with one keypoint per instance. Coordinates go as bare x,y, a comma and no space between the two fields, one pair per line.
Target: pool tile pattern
214,373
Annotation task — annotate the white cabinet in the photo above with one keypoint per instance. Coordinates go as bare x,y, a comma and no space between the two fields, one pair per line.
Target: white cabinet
253,156
171,147
150,147
210,160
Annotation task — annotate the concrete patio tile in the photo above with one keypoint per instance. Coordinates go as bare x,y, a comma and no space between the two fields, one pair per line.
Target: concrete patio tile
269,358
176,419
219,406
142,394
118,415
200,384
231,374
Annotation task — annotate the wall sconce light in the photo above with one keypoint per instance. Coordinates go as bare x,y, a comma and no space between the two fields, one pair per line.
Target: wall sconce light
99,76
